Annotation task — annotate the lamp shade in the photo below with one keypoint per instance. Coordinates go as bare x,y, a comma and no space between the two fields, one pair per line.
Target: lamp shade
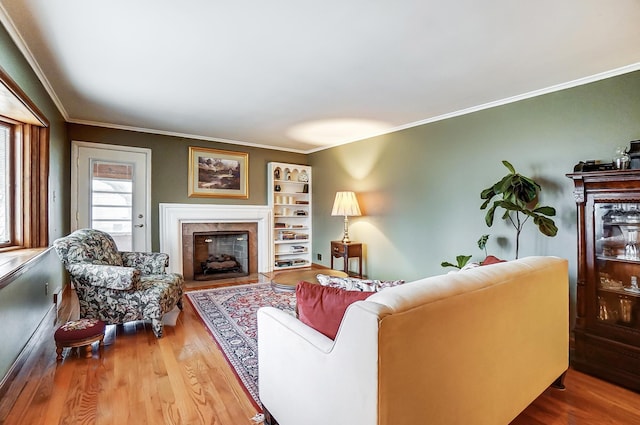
346,204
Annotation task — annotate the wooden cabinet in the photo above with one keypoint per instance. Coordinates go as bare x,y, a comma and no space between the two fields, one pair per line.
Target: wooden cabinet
289,196
607,331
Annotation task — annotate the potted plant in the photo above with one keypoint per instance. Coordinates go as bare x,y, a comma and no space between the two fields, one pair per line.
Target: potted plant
462,260
518,196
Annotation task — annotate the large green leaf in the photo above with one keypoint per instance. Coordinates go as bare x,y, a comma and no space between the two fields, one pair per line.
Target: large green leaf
488,218
549,211
546,226
509,166
488,193
482,242
461,261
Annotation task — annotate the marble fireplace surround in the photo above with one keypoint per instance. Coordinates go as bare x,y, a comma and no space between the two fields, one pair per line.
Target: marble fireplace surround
176,217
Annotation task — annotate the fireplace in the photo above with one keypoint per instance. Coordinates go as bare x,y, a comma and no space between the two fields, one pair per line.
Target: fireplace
178,222
196,250
220,255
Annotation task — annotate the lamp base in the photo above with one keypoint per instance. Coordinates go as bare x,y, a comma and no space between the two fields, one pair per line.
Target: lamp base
345,237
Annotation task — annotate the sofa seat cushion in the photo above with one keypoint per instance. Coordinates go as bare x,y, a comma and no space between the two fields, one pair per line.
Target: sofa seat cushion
322,307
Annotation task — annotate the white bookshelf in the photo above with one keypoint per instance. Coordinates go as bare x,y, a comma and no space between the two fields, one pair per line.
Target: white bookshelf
290,199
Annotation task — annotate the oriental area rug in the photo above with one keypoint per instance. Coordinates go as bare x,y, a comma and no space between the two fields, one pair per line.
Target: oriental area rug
230,315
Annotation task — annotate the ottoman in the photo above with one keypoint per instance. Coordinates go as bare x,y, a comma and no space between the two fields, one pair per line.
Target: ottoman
79,333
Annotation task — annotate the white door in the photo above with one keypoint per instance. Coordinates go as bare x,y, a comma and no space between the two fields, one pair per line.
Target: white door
111,187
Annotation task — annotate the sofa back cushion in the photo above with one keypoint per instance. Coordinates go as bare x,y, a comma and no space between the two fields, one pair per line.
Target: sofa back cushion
322,307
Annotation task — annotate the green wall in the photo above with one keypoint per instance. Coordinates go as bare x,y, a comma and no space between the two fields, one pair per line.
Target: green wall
23,300
419,189
169,167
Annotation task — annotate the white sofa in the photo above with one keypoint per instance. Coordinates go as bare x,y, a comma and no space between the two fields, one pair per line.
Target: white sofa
474,347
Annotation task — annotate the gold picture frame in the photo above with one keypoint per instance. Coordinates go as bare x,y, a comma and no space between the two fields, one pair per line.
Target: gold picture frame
215,173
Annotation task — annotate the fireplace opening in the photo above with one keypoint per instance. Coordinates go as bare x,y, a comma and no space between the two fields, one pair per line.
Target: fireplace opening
220,255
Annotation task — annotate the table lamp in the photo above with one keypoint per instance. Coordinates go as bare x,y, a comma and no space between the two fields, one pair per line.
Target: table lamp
346,204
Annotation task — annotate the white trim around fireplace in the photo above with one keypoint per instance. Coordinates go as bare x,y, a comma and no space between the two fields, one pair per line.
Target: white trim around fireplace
172,216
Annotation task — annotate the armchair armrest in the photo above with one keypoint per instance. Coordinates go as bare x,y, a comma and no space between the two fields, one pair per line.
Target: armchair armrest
106,276
146,262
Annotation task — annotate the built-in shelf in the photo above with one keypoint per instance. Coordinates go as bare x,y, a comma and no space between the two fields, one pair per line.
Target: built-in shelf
290,198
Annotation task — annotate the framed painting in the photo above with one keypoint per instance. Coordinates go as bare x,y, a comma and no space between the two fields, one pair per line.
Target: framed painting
218,174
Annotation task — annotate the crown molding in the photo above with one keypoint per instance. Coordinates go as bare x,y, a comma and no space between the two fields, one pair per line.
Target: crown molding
183,135
15,35
535,93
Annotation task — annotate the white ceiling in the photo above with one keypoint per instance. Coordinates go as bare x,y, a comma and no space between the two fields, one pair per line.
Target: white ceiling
257,72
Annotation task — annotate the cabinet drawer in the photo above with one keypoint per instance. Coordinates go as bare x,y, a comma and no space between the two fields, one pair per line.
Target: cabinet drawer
337,249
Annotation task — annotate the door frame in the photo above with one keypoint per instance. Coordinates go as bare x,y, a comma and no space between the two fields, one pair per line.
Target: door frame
75,146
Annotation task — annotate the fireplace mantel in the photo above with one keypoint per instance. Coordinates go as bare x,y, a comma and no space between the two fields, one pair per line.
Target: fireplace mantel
172,216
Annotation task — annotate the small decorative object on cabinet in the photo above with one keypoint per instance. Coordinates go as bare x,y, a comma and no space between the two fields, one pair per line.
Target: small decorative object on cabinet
290,198
607,331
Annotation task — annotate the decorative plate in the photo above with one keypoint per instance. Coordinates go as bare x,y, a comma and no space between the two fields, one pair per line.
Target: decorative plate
303,176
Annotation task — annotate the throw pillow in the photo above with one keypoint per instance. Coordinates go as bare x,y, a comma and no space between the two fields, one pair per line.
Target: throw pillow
355,284
347,283
382,284
322,307
491,260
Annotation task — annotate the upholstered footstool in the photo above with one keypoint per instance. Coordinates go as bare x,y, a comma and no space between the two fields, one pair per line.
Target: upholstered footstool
79,333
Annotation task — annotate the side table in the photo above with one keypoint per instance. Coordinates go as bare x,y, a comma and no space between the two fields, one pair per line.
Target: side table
345,251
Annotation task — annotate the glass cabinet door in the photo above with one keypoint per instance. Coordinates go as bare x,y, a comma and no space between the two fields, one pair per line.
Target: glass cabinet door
617,252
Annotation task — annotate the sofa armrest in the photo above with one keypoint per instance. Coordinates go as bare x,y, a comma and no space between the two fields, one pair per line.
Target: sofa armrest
146,262
106,276
307,378
271,318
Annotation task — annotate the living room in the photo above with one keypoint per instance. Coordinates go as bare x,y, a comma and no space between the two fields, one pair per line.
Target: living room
419,187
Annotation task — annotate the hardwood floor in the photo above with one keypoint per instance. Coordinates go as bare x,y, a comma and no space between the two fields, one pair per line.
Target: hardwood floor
183,378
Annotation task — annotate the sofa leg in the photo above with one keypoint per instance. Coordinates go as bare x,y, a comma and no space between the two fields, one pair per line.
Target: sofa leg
179,303
559,383
268,418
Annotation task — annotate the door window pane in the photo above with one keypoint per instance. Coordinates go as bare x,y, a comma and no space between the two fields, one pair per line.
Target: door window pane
111,201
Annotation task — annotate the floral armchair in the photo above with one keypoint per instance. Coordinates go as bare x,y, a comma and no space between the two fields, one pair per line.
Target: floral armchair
118,286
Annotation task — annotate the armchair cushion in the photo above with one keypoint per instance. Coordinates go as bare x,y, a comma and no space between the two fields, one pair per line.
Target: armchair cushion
322,307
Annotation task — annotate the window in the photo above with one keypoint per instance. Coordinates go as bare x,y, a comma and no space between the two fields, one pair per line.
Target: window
24,169
112,201
6,180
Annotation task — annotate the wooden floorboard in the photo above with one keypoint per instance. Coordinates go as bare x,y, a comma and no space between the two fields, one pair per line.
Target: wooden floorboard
183,378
